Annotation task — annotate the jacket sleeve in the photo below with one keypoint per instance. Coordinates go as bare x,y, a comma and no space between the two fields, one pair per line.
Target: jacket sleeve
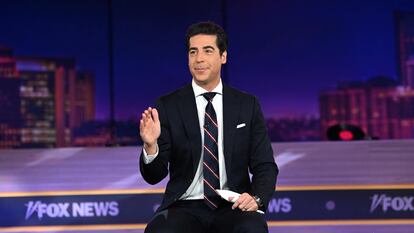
262,165
157,170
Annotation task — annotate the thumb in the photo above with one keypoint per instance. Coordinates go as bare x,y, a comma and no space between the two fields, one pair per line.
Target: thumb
154,113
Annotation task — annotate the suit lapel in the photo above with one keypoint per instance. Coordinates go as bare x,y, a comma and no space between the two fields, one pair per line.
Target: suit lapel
231,108
188,110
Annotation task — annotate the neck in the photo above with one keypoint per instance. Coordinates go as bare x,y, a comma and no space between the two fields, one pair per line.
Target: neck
208,86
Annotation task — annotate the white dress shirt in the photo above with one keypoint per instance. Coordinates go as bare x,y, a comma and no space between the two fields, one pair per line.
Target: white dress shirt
196,189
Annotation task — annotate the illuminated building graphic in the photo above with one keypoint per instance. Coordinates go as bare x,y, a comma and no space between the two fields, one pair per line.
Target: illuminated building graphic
405,39
38,109
49,101
84,98
10,114
9,100
379,107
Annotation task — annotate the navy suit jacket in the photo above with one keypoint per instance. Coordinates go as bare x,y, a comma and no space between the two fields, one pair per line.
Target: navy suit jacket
246,149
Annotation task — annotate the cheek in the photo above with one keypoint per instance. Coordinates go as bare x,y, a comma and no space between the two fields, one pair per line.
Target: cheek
190,60
217,66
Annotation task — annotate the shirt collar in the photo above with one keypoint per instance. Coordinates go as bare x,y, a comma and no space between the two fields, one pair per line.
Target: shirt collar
199,90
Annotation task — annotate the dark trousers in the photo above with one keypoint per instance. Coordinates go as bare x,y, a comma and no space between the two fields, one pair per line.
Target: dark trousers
195,217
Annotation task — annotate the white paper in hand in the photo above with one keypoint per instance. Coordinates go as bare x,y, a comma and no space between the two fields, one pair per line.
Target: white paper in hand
227,194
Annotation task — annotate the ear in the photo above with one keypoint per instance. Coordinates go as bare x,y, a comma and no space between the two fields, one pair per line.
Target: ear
224,57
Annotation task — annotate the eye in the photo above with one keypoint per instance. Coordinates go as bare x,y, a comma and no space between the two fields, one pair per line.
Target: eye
209,51
192,52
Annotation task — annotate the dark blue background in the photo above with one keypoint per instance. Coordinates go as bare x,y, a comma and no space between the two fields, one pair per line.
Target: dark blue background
284,51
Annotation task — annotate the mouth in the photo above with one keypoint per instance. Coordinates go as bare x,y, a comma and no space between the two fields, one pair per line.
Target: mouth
200,69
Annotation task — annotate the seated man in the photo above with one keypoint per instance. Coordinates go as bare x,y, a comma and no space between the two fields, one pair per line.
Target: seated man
208,136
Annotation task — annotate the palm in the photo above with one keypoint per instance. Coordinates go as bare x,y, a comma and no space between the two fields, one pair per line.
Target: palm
150,128
150,132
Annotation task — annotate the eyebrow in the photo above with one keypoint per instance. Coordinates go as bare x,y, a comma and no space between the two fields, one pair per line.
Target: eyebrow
205,47
209,47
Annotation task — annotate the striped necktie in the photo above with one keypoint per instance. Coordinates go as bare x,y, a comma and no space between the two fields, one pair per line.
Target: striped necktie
210,158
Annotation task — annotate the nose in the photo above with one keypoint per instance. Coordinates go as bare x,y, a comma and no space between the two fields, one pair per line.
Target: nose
199,57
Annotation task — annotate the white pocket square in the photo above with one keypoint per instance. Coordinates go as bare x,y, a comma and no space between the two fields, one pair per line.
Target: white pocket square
240,125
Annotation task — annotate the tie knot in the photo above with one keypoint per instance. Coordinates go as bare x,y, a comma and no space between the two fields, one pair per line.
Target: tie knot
209,95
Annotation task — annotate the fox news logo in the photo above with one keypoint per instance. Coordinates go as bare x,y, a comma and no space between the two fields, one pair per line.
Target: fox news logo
391,203
71,209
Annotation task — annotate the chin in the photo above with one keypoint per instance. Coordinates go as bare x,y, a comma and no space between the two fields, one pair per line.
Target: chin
201,80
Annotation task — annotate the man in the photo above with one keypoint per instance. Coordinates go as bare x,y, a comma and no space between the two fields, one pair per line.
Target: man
208,136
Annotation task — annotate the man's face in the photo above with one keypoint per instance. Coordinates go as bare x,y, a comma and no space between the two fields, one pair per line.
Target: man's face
204,60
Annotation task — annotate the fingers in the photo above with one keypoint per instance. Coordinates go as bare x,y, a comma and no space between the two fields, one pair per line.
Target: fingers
149,115
145,117
154,113
245,203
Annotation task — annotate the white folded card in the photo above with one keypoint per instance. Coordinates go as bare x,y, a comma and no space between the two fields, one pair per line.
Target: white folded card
240,125
227,194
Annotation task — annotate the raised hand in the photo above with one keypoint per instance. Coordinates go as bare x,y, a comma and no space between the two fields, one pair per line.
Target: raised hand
150,130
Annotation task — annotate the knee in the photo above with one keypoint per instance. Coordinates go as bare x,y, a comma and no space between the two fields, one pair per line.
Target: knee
171,221
159,224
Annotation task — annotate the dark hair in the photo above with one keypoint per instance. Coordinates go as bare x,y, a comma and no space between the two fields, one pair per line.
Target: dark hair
208,28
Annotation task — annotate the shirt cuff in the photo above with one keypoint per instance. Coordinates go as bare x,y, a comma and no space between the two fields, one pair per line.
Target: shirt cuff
149,158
